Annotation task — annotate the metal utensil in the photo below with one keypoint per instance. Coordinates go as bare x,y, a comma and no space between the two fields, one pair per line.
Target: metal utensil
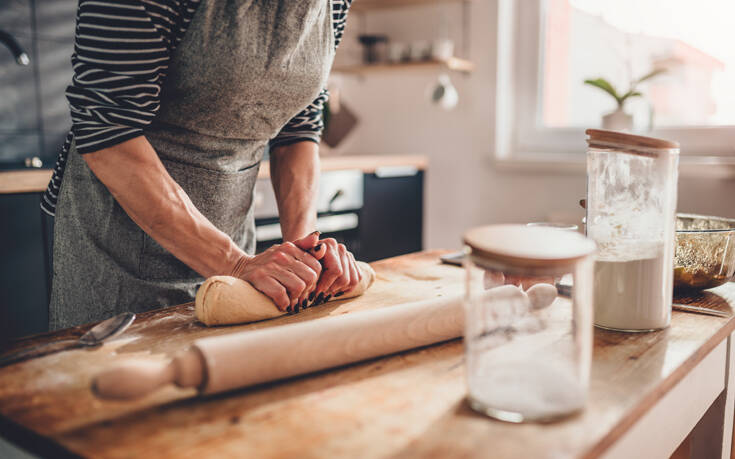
700,310
455,258
94,337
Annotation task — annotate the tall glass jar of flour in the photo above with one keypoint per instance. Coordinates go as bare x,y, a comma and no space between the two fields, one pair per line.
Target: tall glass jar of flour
528,321
631,214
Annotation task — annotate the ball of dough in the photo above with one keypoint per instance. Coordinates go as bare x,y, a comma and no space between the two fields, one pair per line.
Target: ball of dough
226,300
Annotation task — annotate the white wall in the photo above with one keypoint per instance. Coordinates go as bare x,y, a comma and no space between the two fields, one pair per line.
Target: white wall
463,188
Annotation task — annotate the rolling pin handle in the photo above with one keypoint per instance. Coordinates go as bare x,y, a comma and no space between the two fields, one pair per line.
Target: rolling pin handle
189,368
135,379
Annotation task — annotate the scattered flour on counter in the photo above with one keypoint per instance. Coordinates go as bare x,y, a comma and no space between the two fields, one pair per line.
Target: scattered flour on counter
49,379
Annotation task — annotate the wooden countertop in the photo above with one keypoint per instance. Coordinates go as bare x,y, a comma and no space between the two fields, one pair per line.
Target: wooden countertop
36,180
410,404
366,163
24,181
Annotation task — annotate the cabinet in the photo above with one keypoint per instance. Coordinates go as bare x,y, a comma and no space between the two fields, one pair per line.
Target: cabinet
391,220
23,280
19,110
34,113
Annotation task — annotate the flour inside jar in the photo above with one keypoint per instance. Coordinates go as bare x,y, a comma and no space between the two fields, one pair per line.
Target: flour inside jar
633,287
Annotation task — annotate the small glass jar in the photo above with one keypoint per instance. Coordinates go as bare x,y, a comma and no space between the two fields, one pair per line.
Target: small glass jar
528,321
631,215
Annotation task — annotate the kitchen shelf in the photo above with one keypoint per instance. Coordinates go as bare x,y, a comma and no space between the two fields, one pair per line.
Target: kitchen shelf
371,5
454,63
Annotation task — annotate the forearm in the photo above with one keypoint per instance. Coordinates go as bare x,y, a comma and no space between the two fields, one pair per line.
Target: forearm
137,179
295,176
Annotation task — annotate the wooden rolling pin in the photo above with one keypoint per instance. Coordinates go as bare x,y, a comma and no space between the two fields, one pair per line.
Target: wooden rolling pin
252,357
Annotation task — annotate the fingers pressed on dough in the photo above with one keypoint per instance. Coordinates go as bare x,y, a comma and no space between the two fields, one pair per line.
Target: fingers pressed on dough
225,300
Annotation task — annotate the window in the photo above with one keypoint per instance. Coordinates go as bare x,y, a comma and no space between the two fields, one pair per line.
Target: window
548,48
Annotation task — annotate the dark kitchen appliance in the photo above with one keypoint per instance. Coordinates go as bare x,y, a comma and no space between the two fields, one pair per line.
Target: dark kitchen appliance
339,203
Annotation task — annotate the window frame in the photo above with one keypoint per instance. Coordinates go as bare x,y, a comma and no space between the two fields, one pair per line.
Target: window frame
520,135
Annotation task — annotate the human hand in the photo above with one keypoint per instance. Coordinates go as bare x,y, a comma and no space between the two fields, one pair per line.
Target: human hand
340,273
286,272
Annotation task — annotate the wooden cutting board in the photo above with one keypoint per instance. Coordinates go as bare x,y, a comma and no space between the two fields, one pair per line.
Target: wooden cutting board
51,395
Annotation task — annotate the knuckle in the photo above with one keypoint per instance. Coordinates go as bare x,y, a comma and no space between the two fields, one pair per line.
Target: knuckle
280,257
331,277
309,261
289,245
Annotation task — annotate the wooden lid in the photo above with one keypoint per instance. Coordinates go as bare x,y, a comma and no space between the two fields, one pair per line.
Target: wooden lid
629,143
528,245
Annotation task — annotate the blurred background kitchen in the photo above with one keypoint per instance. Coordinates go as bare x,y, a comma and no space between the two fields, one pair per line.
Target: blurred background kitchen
446,114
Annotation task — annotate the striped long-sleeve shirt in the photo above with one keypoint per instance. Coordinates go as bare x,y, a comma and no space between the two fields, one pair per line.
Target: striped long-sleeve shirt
121,55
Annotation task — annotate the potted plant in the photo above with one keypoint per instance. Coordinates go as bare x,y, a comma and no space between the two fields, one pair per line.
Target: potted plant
620,120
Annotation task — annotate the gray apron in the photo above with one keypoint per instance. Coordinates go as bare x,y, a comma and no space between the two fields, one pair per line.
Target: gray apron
243,69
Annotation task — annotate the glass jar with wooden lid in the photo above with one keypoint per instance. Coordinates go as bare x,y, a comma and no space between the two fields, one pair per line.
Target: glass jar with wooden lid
528,321
631,215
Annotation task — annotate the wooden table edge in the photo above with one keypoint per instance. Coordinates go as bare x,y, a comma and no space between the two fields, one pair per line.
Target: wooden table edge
625,424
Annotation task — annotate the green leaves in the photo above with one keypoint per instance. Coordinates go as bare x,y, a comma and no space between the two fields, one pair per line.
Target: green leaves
628,95
649,75
606,86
